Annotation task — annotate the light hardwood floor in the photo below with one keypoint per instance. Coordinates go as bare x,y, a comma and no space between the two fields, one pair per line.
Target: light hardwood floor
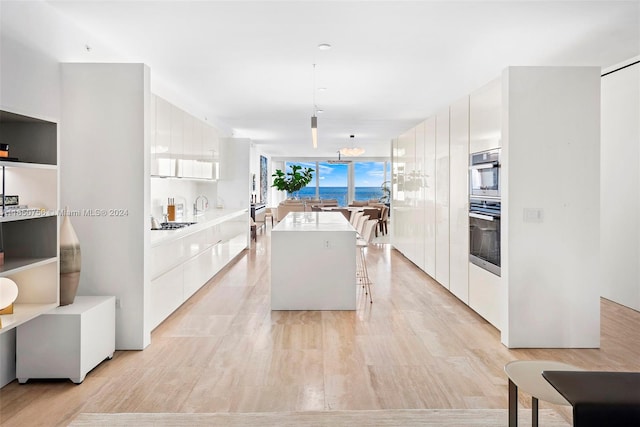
416,346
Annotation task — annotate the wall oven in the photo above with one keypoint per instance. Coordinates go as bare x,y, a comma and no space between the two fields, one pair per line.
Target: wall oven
484,234
484,173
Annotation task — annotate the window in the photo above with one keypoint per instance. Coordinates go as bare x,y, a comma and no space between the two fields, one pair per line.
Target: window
333,182
347,181
369,181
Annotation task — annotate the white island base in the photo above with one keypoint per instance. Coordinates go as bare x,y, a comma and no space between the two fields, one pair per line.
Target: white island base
313,262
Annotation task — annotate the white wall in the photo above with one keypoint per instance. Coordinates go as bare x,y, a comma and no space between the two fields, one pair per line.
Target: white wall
620,184
551,149
29,81
105,165
234,185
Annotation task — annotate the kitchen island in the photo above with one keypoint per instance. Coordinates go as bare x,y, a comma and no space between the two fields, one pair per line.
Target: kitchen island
313,262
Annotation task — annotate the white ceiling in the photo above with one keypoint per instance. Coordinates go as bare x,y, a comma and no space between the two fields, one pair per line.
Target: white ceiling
249,65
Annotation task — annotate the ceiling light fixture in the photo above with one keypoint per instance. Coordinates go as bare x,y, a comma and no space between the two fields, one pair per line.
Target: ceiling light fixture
324,46
314,119
353,150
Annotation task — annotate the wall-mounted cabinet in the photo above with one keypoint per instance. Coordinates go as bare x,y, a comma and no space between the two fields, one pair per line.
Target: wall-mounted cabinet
485,118
29,232
182,146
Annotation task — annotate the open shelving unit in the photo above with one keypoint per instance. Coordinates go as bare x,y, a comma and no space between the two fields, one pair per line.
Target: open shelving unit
29,237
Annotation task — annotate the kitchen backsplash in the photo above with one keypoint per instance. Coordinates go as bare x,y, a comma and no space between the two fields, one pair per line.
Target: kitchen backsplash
183,192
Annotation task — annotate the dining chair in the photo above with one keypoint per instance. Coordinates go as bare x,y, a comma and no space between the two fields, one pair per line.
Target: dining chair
360,226
373,213
382,221
354,218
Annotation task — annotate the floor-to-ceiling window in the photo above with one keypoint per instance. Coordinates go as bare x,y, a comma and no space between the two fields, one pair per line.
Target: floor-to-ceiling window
333,182
347,181
371,181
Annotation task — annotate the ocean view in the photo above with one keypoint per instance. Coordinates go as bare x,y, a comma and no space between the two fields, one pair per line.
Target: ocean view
340,193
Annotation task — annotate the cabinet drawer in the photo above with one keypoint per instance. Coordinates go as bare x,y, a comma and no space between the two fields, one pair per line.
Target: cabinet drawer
197,271
485,294
166,295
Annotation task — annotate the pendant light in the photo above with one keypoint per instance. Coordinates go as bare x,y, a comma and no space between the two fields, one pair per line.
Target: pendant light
352,151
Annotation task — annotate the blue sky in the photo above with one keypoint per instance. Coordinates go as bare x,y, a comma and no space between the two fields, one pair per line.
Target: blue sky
367,174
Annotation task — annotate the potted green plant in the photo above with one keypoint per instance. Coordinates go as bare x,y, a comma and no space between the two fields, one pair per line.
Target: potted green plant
293,181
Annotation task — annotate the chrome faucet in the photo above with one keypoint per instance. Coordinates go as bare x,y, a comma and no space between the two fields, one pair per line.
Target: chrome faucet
205,205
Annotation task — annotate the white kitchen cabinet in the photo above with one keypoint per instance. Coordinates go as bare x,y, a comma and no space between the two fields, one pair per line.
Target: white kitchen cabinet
198,153
418,184
176,149
189,147
164,163
153,158
181,145
486,294
539,116
404,197
210,165
68,341
198,270
182,261
442,198
459,199
429,179
485,117
30,237
167,293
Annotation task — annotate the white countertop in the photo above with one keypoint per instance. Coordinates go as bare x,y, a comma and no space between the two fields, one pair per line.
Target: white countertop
314,221
208,219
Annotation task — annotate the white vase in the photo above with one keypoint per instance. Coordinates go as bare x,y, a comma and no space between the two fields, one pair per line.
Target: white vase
70,262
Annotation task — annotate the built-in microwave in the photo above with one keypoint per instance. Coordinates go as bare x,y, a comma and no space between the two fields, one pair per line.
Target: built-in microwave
484,173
